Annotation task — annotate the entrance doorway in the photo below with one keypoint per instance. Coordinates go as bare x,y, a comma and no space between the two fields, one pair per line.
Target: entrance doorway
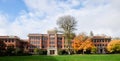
52,52
101,50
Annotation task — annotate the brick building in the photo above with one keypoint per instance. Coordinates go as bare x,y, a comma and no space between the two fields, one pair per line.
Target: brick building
50,41
101,43
14,41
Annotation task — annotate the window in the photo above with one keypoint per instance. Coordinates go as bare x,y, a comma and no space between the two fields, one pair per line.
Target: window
94,40
52,42
59,42
100,44
95,44
44,38
59,46
38,42
9,41
105,40
105,44
52,46
44,46
38,46
59,38
37,38
5,40
52,39
12,40
97,40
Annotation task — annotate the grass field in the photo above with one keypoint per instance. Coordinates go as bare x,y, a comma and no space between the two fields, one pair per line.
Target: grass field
112,57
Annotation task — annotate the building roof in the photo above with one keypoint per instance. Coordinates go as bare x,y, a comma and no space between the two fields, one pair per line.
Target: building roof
10,37
101,37
34,34
37,35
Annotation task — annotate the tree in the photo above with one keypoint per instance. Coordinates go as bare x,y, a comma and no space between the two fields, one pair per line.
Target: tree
36,51
18,51
10,49
77,42
2,48
94,50
67,24
88,46
114,46
83,43
91,33
116,38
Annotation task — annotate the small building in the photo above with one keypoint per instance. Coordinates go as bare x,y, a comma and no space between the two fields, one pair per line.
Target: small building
101,43
11,41
14,41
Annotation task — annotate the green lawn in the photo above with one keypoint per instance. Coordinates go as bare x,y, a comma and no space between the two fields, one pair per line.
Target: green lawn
111,57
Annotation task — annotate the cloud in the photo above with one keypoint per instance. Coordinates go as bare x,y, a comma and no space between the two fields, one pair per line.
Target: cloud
3,23
99,16
96,15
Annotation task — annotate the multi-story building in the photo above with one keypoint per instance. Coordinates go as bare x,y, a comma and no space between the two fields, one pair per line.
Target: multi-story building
11,41
50,41
14,41
101,43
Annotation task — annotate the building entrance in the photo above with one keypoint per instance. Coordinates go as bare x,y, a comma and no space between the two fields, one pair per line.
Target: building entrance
52,52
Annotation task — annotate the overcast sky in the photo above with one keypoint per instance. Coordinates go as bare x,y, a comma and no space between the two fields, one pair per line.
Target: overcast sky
21,17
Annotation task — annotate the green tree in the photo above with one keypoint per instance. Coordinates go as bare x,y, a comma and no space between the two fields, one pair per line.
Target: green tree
10,49
36,51
18,51
2,48
94,50
67,24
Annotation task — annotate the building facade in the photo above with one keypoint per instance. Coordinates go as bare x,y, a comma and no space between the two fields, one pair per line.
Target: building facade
15,42
50,42
101,43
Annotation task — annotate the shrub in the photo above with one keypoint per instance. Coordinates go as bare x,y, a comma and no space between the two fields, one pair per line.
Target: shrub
42,52
62,52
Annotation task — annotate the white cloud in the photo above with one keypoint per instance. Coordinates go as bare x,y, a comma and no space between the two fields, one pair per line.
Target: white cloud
100,16
3,23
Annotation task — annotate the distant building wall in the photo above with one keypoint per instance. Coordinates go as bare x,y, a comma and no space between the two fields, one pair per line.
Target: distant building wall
101,43
14,41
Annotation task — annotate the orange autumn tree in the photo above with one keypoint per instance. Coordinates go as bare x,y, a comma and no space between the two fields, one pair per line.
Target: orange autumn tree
77,42
114,46
83,43
88,46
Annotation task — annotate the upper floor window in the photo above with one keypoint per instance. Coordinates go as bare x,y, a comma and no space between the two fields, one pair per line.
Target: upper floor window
52,46
5,40
35,38
52,42
44,38
59,38
59,42
52,39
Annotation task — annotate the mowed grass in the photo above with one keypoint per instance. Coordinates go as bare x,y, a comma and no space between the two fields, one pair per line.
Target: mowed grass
101,57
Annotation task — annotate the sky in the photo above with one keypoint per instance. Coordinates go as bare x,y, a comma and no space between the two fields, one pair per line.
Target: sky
21,17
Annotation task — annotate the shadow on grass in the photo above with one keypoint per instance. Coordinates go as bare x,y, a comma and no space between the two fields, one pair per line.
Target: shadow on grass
28,58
